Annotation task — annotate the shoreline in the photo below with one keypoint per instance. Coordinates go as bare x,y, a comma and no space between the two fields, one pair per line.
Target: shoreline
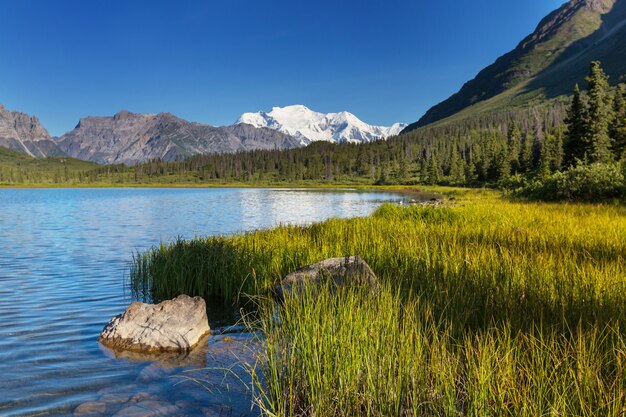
487,279
401,189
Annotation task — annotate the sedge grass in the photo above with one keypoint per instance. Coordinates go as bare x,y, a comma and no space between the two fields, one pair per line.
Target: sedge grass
489,307
376,354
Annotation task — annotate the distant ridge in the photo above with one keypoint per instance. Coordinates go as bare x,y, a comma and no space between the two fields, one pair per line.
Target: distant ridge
131,138
24,133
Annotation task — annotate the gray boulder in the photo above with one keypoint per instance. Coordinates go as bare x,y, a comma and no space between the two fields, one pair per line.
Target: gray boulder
175,325
347,271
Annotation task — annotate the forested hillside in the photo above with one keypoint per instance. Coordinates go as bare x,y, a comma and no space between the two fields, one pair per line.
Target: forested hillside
19,168
484,150
545,64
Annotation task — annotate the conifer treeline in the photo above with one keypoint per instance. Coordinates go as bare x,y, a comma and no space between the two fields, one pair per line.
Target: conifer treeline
477,150
596,123
483,149
487,148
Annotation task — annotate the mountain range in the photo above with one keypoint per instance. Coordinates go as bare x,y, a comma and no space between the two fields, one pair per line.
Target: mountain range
309,126
546,64
132,138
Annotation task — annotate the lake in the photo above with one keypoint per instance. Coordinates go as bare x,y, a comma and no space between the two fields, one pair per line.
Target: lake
64,262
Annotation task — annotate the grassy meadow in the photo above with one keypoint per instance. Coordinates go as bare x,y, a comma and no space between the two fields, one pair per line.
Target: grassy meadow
488,307
19,169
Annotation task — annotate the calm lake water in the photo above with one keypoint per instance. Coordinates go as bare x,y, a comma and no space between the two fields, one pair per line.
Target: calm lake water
64,257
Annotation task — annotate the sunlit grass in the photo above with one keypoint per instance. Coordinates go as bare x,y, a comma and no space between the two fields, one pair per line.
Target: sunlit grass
488,307
361,354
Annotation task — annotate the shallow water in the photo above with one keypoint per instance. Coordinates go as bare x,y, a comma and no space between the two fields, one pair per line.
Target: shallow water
64,257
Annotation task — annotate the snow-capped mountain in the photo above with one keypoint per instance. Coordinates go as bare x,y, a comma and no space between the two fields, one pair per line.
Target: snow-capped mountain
309,126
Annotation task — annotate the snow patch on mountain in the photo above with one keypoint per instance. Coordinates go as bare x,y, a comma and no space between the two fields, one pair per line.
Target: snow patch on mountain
309,126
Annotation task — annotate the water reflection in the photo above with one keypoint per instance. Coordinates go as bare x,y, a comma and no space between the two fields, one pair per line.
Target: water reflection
63,261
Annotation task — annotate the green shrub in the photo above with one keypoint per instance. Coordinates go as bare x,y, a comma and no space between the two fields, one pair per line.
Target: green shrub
590,183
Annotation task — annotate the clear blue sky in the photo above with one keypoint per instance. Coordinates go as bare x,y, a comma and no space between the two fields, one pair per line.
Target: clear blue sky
209,60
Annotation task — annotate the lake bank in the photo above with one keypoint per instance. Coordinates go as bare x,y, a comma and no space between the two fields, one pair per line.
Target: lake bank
64,268
277,185
487,305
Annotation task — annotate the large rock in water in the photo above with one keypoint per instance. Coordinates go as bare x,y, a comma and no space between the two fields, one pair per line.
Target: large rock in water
172,326
348,271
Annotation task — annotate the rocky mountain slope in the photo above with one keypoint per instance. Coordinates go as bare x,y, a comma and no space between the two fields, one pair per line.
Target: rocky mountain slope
131,138
309,126
24,133
547,63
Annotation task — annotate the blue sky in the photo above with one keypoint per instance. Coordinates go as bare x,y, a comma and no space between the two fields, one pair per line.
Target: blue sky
209,61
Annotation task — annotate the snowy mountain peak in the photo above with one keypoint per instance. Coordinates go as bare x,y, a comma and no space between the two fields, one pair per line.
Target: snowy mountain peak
310,126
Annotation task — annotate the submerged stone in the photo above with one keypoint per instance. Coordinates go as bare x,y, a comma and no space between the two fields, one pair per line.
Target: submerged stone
90,408
149,409
342,272
175,325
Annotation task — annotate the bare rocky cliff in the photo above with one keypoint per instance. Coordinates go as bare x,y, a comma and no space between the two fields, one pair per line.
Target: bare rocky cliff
24,133
132,138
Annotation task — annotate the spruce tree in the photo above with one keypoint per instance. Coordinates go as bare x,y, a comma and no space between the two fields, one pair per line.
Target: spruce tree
549,156
456,174
576,135
539,136
557,161
503,164
434,170
599,115
526,156
514,142
618,128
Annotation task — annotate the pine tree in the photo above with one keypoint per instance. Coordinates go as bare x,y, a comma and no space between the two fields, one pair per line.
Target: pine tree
557,161
383,176
470,172
424,171
503,164
539,136
434,170
514,142
549,156
599,115
457,173
526,156
576,135
402,172
618,128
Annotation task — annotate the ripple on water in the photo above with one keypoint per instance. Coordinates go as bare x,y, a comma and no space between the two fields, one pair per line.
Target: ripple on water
64,257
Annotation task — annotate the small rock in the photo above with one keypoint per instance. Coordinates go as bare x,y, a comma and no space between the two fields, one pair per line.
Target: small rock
143,396
175,325
185,405
90,408
118,389
152,373
147,409
348,271
210,412
114,398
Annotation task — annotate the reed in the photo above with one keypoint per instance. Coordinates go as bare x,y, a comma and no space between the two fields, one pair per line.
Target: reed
488,307
364,354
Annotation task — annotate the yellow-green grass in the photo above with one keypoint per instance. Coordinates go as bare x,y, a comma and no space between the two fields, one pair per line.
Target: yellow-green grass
488,307
379,354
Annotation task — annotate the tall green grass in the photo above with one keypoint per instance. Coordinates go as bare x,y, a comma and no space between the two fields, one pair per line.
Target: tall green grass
364,354
489,307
